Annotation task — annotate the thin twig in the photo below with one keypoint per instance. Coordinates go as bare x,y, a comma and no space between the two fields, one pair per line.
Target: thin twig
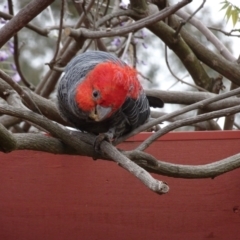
127,45
226,33
53,61
16,54
68,50
176,77
190,17
106,8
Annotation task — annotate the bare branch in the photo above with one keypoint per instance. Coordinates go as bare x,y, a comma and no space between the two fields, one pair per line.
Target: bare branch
209,170
208,34
53,61
8,142
176,77
189,18
139,6
153,184
190,97
187,121
42,32
182,50
226,33
199,125
23,94
228,69
17,53
77,142
131,28
69,49
200,104
24,16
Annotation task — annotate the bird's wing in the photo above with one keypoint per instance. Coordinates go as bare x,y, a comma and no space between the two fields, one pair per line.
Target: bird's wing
136,111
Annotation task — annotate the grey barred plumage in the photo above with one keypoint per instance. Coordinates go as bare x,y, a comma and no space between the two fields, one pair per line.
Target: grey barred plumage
133,112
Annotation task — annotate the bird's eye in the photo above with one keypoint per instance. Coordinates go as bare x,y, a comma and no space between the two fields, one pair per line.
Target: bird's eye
95,93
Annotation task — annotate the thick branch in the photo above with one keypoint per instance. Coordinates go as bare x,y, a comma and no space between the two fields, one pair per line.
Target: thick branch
23,94
40,142
182,50
139,6
67,136
85,142
209,170
215,61
47,107
190,97
42,32
7,140
153,184
208,34
23,17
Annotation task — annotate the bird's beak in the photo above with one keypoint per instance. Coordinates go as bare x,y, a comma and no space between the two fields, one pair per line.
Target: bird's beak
99,113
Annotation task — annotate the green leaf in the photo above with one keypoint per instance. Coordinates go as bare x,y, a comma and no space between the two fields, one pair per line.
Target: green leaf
224,6
229,12
235,14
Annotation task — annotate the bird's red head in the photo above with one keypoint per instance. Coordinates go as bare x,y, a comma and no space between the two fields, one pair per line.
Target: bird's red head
105,89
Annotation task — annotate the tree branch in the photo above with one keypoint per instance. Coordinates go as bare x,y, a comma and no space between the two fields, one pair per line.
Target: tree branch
139,6
8,142
130,28
23,94
208,34
42,32
182,50
209,170
197,105
23,17
155,185
215,61
85,143
190,97
47,107
187,121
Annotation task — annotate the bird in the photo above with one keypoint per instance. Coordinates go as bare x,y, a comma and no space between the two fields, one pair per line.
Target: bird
101,94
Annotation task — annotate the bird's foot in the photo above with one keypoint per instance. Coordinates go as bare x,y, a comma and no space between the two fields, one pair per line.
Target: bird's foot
100,138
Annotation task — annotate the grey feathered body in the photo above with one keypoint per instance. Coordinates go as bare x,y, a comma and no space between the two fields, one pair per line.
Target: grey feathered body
132,114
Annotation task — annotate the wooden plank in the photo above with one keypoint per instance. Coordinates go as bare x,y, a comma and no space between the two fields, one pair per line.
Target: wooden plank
46,196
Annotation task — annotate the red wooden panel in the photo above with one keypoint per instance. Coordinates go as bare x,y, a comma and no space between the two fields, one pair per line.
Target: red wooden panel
46,196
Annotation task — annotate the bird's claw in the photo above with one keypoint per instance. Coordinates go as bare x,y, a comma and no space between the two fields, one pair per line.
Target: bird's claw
99,139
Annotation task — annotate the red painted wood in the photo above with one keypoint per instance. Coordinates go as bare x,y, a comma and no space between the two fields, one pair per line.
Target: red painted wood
46,196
